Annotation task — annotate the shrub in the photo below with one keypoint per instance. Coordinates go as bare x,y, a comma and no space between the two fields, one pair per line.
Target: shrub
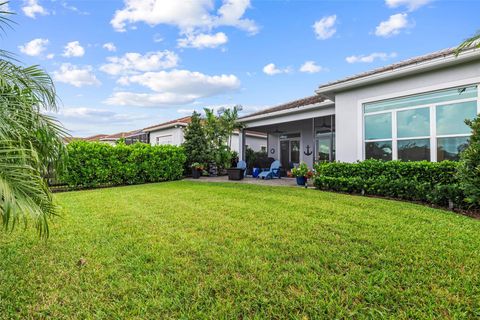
92,164
469,168
433,182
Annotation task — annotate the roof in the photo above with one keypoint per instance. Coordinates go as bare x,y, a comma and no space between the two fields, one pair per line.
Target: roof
70,139
95,137
412,62
289,105
180,121
117,136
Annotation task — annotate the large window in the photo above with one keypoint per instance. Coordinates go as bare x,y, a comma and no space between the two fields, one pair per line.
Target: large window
325,139
429,126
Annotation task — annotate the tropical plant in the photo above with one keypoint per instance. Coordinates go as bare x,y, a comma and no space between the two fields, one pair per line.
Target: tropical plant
473,41
30,141
302,171
468,171
196,145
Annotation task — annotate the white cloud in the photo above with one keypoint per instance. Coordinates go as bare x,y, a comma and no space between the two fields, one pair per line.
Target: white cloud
148,99
174,87
97,115
35,47
50,56
410,4
311,67
133,62
371,57
110,46
73,49
5,7
185,111
85,121
186,82
393,25
186,15
325,27
203,40
75,75
271,69
74,9
31,8
157,37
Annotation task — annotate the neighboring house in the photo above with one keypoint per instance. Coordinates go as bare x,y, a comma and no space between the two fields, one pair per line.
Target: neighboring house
112,139
172,132
411,110
94,138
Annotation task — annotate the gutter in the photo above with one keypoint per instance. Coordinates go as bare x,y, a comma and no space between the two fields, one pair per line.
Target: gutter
415,68
287,111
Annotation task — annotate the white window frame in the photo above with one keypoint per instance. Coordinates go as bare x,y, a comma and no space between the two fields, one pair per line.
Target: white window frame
433,123
164,136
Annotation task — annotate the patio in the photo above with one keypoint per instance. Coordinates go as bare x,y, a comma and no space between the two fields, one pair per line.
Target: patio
283,182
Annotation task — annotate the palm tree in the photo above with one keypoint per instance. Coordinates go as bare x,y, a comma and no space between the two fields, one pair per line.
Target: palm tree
30,141
473,41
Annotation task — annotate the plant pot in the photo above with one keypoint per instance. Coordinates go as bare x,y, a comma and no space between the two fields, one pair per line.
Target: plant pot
301,181
196,173
235,173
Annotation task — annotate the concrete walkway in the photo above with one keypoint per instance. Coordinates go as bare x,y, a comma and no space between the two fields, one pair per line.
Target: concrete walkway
283,182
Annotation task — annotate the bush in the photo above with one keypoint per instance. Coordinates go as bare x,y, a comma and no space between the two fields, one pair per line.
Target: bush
92,164
469,169
433,182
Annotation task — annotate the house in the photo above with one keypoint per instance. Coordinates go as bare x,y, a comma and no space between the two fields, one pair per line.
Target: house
172,132
94,138
112,139
411,110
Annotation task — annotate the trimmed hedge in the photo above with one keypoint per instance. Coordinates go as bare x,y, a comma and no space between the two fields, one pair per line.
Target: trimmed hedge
433,182
93,164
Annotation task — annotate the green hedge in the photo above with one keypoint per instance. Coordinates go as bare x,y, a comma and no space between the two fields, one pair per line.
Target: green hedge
433,182
93,164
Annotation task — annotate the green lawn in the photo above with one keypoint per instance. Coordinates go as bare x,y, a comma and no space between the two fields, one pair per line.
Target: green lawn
229,251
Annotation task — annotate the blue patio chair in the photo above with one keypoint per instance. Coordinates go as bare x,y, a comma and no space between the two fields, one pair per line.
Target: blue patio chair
273,172
242,165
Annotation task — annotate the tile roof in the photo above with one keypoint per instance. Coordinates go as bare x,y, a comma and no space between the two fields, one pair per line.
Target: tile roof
289,105
394,66
95,137
118,135
184,120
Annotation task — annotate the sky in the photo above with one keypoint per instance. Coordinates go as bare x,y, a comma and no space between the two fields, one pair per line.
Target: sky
121,65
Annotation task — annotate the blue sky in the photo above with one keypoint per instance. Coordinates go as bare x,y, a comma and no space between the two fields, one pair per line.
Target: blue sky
123,65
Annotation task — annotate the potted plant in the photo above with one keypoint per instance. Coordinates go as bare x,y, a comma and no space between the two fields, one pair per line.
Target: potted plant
197,169
302,174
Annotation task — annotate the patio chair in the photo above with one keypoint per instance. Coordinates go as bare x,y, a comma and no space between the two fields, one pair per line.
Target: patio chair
242,165
273,172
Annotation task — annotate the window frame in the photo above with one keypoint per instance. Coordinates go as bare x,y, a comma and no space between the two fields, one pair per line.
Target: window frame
433,137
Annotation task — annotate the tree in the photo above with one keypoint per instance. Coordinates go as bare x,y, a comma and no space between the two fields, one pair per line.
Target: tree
30,141
468,172
473,41
197,148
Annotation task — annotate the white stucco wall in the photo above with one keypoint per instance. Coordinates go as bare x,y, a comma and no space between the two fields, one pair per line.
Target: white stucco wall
348,105
175,135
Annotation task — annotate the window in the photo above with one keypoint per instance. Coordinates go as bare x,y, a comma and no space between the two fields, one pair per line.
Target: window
429,126
167,139
263,148
325,138
450,148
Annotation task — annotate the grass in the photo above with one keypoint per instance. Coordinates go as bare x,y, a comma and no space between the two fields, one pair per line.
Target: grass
225,251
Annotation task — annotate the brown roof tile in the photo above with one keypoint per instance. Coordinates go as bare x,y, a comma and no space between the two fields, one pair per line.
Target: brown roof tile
95,137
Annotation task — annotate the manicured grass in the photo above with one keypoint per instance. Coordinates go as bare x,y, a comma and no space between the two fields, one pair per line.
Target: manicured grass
229,251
